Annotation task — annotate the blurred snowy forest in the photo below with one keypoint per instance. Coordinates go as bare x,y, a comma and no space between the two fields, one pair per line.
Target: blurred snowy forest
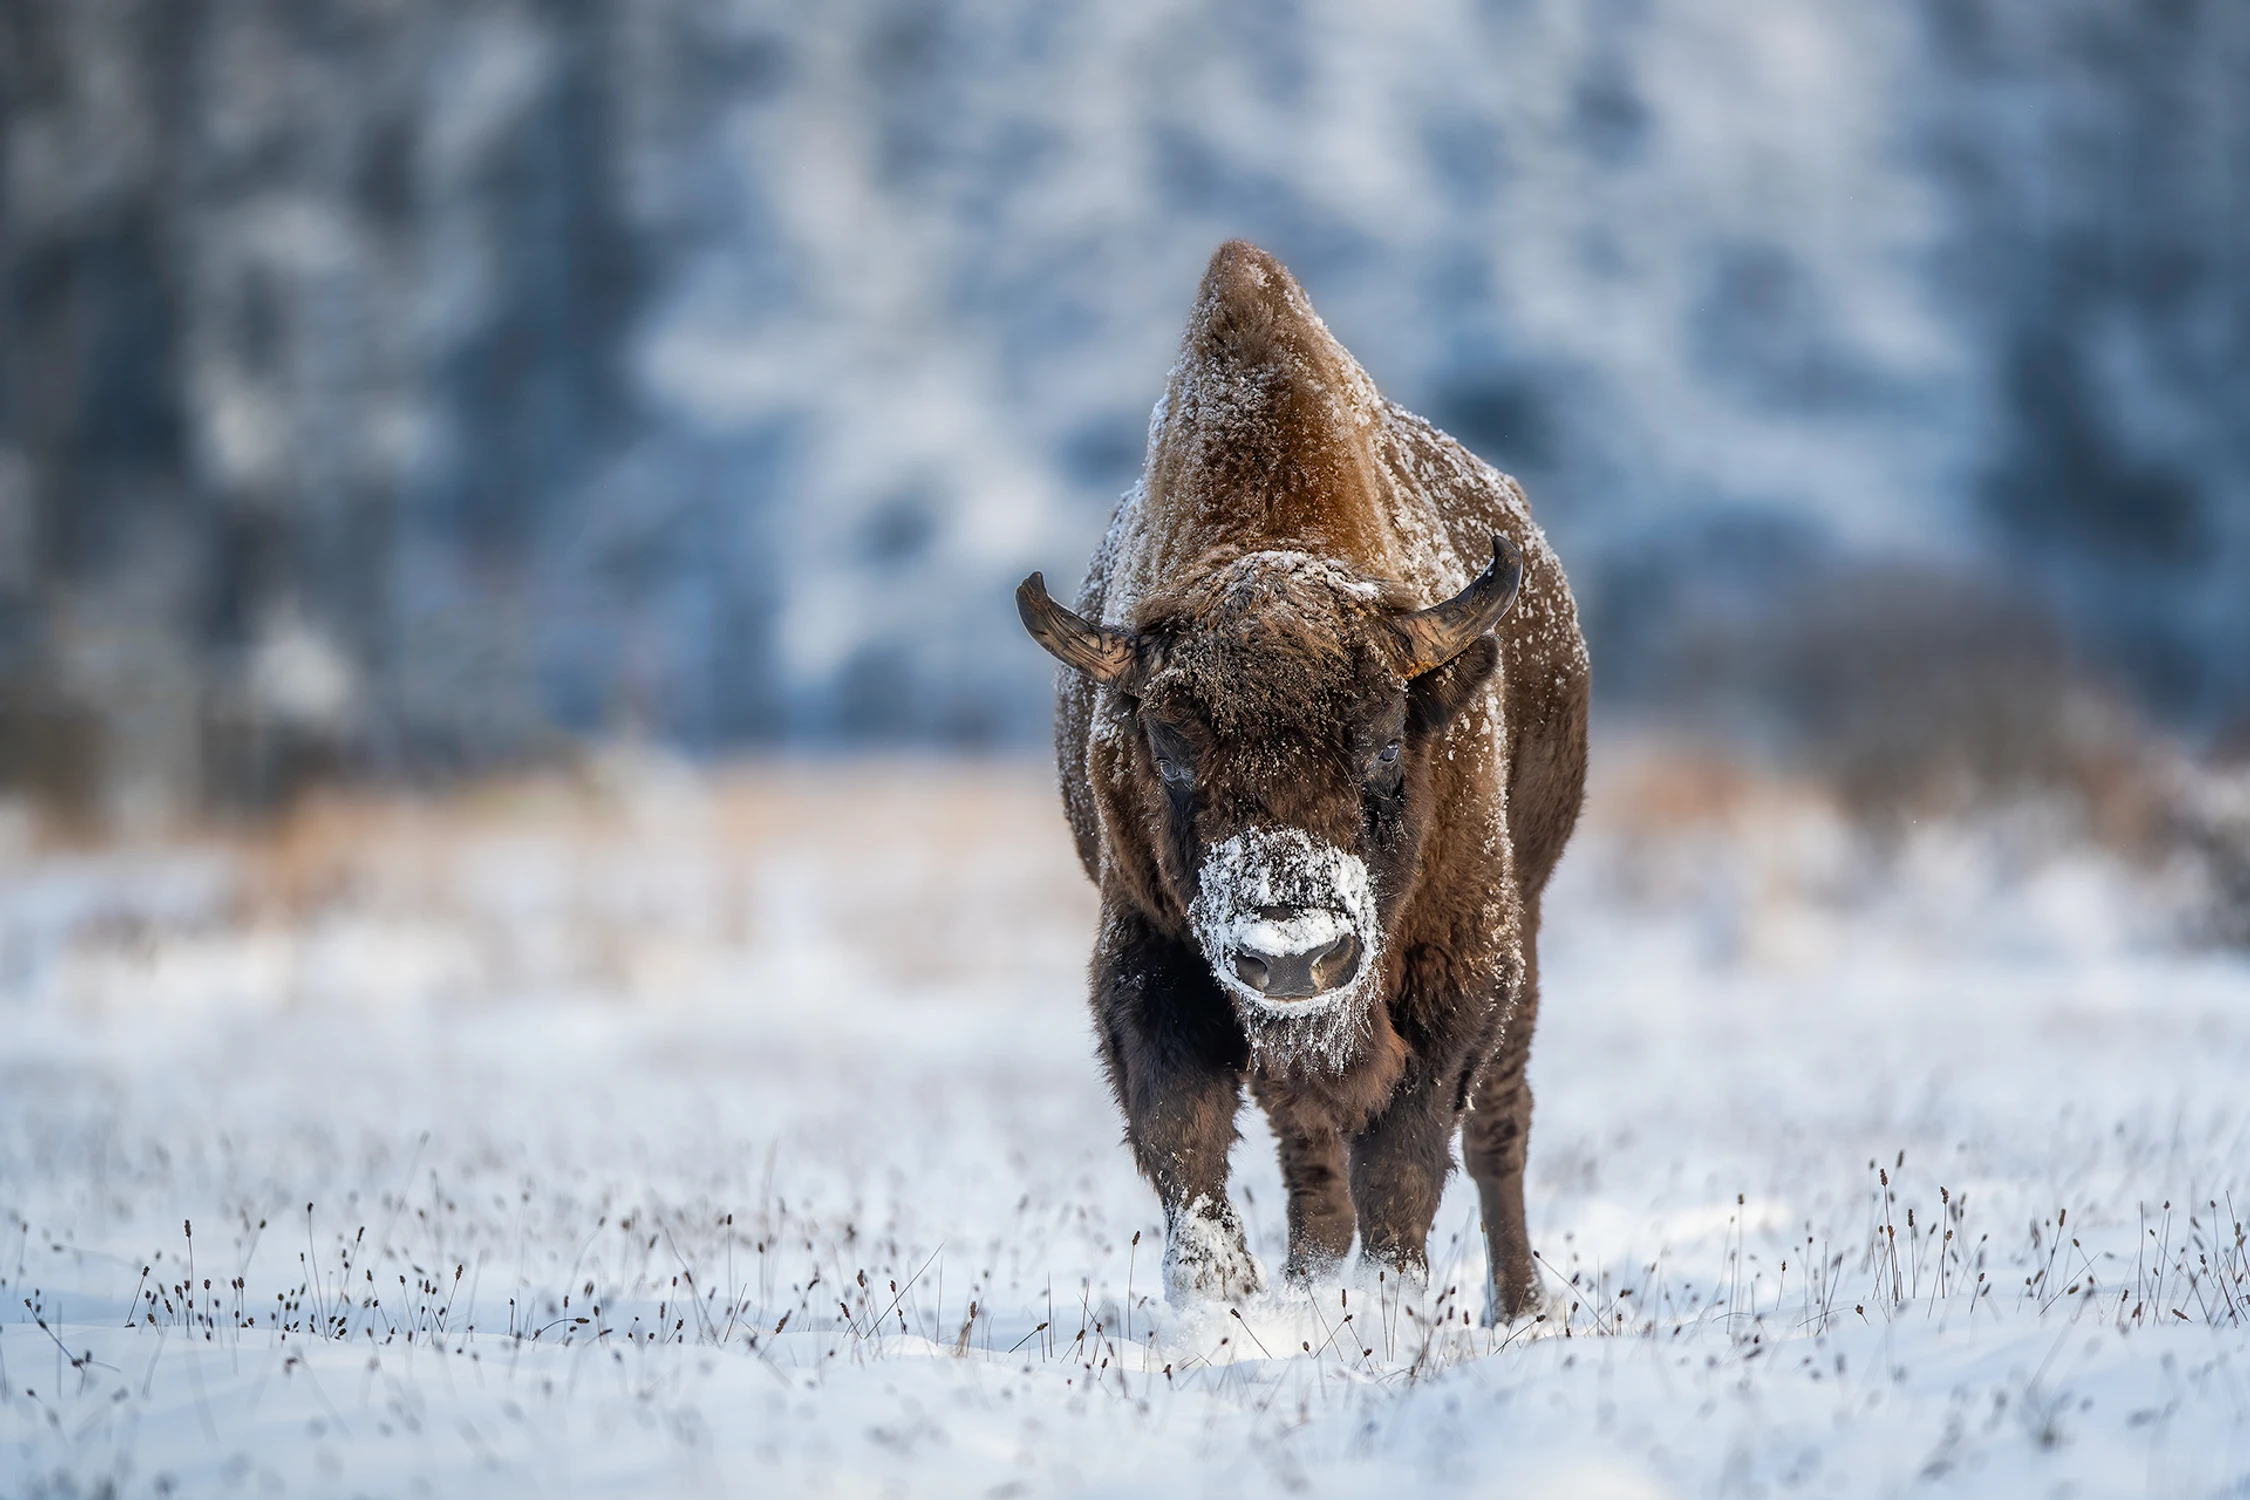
400,386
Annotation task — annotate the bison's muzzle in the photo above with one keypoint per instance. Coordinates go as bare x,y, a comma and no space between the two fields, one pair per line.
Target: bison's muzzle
1291,954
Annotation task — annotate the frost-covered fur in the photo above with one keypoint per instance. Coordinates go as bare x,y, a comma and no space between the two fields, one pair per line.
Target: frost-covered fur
1286,867
1285,515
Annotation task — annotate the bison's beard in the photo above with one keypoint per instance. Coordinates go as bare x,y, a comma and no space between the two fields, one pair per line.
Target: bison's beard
1286,867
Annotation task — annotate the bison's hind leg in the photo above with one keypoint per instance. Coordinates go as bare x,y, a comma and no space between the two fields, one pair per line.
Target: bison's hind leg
1496,1135
1493,1139
1317,1175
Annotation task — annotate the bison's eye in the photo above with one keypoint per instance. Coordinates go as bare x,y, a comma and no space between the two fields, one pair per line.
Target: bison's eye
1175,773
1389,757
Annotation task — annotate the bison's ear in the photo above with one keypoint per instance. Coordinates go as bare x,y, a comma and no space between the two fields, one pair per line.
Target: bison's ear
1106,655
1432,637
1433,698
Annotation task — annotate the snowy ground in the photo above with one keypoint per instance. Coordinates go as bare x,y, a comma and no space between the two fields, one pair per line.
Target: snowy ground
1855,1172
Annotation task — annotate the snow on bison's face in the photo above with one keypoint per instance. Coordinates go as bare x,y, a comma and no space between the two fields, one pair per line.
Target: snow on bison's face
1279,719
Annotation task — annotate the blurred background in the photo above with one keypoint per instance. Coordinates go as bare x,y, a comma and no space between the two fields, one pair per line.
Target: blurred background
394,389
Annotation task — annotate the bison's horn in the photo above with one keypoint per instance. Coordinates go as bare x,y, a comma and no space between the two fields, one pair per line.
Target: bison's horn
1436,635
1101,653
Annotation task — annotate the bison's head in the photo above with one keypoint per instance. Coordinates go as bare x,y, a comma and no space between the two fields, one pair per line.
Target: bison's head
1280,718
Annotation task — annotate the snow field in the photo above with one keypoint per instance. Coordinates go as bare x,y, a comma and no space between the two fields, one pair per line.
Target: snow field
1856,1170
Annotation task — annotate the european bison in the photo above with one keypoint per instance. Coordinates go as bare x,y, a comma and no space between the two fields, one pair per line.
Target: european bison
1320,796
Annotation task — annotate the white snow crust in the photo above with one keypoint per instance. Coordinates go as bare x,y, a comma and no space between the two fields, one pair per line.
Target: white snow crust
1306,932
1859,1168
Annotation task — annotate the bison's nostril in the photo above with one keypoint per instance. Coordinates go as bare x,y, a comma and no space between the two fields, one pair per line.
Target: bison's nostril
1337,962
1250,971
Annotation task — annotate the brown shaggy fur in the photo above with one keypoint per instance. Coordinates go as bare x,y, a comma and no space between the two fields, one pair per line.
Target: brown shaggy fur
1279,683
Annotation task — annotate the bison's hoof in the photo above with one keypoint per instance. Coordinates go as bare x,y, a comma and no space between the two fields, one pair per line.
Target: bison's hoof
1206,1257
1310,1268
1392,1273
1514,1303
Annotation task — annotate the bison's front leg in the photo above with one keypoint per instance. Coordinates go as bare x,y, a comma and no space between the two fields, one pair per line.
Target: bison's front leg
1314,1169
1175,1056
1399,1165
